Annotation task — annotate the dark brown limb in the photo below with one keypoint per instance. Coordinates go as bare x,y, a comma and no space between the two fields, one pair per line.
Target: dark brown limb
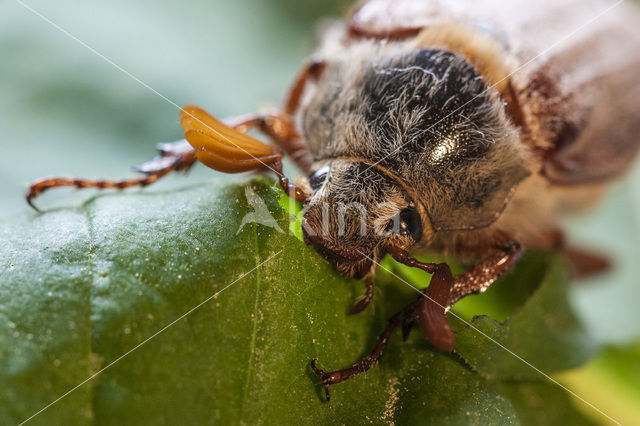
176,156
433,308
407,326
475,280
365,299
333,377
444,290
430,307
432,316
291,190
403,257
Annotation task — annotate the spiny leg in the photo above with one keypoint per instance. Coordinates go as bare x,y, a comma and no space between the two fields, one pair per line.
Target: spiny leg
365,299
430,307
44,184
405,318
176,156
337,376
445,290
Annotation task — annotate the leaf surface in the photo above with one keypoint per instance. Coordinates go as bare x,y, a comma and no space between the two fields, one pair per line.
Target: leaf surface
124,286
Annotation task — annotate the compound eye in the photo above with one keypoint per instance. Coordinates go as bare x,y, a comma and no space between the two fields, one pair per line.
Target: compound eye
317,178
410,223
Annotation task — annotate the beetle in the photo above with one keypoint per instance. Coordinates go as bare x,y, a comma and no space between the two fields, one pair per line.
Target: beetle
443,125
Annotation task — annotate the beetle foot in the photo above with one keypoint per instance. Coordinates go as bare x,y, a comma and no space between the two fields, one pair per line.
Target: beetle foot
365,300
408,315
324,375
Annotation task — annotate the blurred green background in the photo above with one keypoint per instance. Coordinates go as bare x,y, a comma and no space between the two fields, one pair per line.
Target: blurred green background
65,110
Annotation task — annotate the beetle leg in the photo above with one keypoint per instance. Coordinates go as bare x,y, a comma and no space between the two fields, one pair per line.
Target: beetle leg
407,326
583,263
181,156
359,27
429,309
177,156
445,290
278,125
311,71
291,190
433,305
365,299
333,377
482,275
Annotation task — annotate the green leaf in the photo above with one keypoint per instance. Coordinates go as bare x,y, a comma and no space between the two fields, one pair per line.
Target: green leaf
45,309
123,286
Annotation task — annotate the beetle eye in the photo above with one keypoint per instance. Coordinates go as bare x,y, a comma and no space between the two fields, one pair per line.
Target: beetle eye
317,178
410,223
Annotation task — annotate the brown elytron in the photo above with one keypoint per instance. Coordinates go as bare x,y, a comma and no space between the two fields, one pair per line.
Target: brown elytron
442,123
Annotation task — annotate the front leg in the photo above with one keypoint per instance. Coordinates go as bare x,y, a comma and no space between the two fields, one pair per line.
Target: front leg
365,299
431,305
181,156
175,156
406,315
445,290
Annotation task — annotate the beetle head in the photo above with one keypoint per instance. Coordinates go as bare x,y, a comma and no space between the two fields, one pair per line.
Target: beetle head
355,211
